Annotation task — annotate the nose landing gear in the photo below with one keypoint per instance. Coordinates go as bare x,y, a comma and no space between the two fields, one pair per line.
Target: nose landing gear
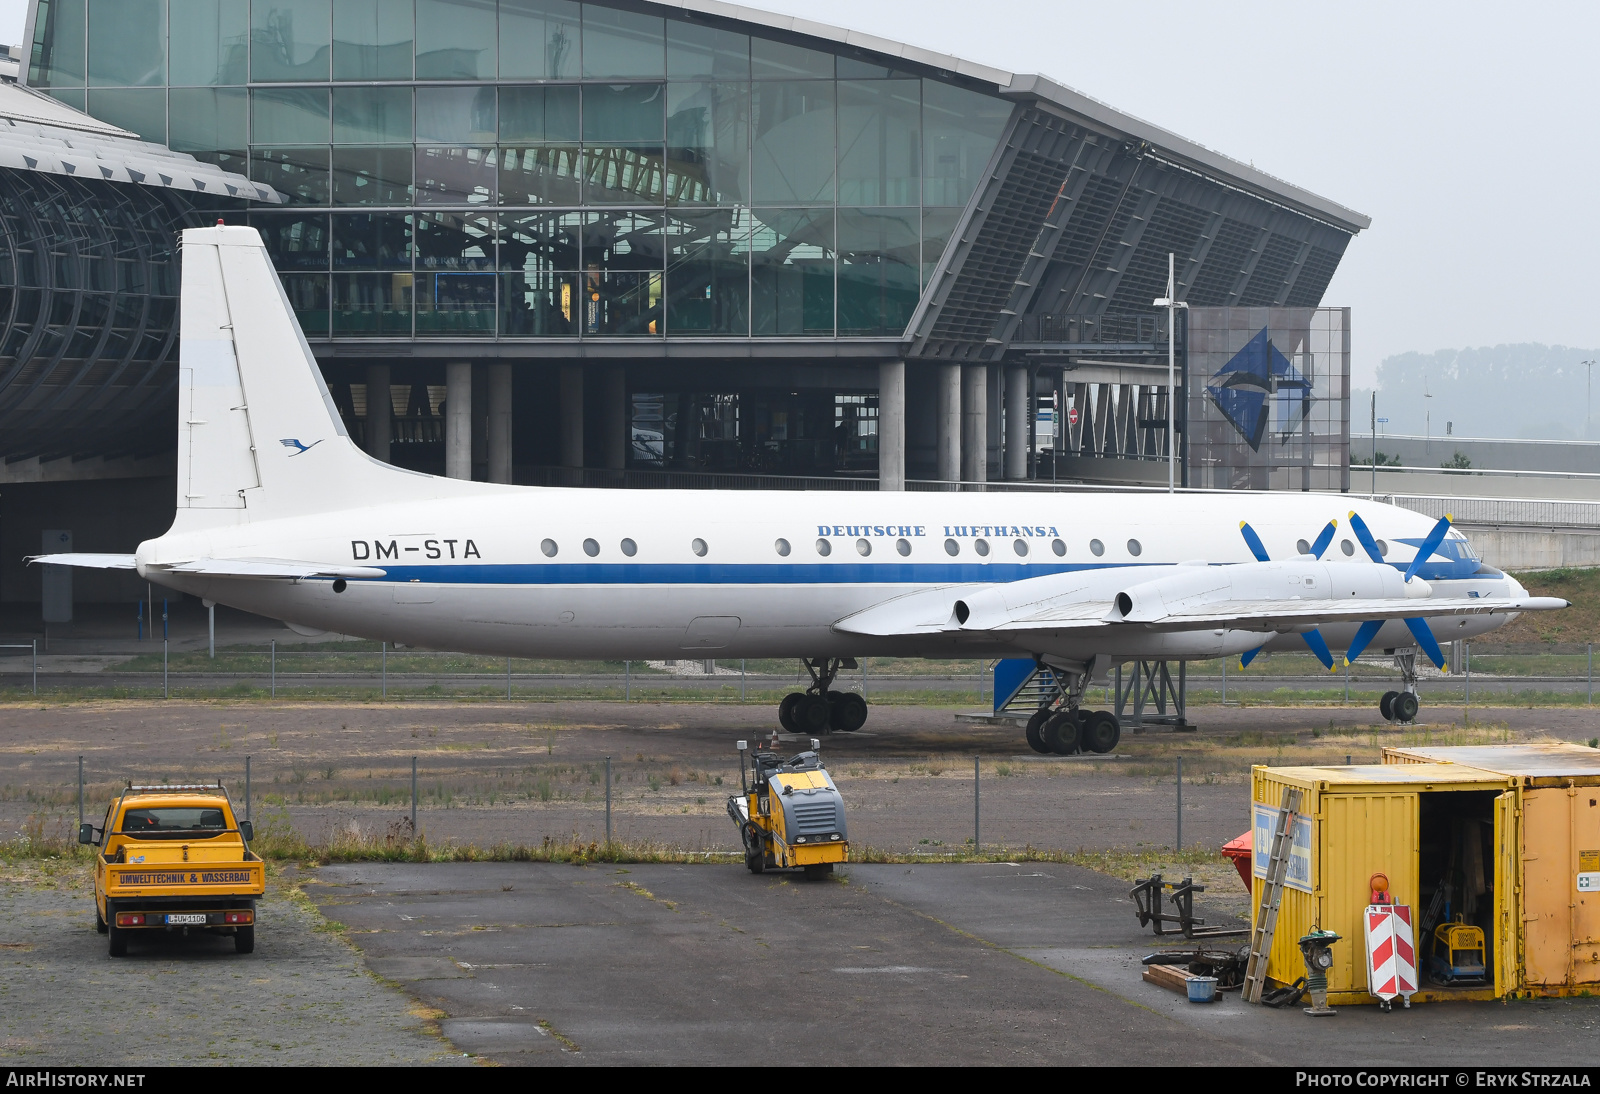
819,710
1401,706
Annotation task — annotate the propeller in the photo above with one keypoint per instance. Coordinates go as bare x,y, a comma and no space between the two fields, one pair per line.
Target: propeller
1313,638
1419,627
1429,545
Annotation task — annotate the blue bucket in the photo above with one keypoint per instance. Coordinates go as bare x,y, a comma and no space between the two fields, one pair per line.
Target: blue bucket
1202,989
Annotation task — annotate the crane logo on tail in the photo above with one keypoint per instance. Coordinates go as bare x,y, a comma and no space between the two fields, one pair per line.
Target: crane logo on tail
294,443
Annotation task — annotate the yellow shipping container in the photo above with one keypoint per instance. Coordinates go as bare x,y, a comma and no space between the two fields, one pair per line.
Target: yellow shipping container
1357,821
1547,925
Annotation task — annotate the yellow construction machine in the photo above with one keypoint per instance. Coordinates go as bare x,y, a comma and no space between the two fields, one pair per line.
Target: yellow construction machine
790,814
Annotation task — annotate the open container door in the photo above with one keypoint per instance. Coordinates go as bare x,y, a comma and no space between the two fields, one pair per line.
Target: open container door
1507,897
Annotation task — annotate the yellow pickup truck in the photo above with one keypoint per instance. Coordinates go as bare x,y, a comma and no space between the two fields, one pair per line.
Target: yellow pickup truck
175,859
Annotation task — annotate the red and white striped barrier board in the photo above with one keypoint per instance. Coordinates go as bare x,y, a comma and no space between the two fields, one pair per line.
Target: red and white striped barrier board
1391,952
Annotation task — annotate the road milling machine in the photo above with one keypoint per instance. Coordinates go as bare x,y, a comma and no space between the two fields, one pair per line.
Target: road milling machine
789,812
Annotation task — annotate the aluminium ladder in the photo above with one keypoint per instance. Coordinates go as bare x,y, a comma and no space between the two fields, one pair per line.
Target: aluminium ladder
1266,925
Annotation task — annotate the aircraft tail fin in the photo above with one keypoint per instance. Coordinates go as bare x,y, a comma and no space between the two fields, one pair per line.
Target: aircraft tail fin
258,433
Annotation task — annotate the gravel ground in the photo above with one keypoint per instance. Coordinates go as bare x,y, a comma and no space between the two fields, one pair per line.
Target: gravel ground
304,996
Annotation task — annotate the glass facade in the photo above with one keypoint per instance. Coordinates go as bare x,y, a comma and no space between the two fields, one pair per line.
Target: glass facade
545,168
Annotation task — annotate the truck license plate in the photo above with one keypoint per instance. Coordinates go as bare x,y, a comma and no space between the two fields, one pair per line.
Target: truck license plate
186,920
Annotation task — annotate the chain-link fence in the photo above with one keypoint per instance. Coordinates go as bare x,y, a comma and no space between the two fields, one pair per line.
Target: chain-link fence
376,670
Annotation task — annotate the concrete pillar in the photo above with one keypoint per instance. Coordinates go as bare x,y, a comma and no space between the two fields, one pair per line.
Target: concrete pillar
458,420
618,427
947,445
499,424
380,412
892,426
571,415
480,422
994,457
974,423
1016,423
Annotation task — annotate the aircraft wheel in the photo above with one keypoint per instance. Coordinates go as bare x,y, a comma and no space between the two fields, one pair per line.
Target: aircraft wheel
1404,707
1386,705
1101,732
1034,732
1060,733
810,715
847,711
786,711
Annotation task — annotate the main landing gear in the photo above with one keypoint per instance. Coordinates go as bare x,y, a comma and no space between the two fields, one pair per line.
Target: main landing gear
1066,730
1401,706
818,710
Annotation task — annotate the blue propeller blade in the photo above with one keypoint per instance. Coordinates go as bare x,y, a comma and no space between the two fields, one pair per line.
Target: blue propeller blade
1319,646
1253,541
1364,636
1424,636
1429,545
1324,539
1249,656
1364,535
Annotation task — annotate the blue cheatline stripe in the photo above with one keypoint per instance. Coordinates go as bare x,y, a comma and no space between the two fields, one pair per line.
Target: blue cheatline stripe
715,573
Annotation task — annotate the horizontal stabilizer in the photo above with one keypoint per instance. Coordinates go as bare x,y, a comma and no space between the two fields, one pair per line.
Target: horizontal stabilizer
269,568
85,560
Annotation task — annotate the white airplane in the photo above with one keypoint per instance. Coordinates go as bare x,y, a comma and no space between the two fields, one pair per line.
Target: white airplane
280,514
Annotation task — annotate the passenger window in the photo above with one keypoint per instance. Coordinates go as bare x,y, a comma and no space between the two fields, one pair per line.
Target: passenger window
1059,548
1096,548
1347,547
630,548
549,548
782,547
591,547
824,548
698,547
1383,548
952,548
903,546
1302,546
1135,548
863,548
1020,546
981,546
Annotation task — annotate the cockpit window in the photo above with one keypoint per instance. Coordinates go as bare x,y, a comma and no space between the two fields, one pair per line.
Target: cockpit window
174,819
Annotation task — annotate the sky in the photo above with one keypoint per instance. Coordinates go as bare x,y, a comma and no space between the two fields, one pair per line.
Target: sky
1457,127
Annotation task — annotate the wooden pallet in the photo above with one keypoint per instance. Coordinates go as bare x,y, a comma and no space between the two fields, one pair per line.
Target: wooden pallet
1172,977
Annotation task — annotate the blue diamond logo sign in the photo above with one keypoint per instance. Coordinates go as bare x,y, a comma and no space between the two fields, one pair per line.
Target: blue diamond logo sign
1241,389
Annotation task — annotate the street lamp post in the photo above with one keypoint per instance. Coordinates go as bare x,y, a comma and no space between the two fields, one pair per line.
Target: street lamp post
1588,391
1172,305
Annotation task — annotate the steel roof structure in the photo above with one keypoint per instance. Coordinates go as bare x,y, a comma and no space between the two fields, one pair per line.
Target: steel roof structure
88,290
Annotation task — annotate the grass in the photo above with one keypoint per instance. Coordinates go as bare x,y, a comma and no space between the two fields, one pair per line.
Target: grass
1578,624
287,846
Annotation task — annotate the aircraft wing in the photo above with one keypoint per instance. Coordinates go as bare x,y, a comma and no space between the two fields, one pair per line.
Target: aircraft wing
1196,599
85,560
1280,614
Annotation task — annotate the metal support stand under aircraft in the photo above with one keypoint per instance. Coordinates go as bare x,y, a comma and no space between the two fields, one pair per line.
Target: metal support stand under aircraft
819,709
1152,684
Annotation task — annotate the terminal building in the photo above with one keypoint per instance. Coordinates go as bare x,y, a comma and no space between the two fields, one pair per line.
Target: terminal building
629,243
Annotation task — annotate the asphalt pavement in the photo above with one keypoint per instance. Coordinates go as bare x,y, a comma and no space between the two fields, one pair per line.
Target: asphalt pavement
883,964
